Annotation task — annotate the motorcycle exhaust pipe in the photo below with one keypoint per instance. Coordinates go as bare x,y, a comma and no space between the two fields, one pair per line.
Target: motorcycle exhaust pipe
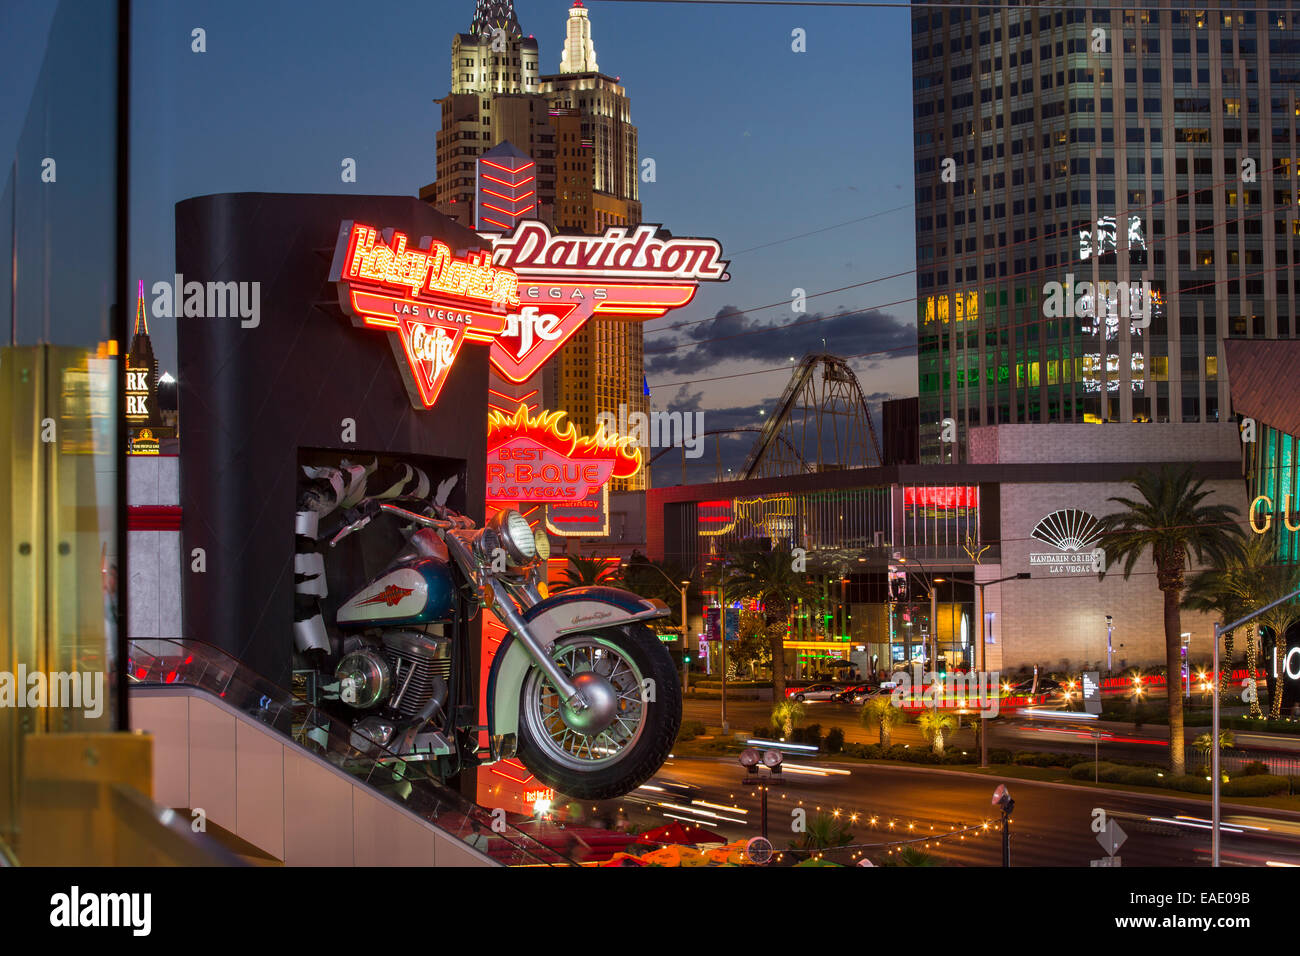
406,743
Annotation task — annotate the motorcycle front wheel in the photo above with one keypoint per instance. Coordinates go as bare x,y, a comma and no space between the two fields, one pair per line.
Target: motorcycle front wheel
613,756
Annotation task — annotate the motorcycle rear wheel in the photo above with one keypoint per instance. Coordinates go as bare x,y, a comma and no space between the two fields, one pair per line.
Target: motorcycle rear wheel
622,756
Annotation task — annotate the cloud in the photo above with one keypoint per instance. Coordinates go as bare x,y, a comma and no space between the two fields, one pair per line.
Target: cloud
724,338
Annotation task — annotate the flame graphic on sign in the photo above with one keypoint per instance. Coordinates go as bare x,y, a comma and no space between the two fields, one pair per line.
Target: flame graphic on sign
549,429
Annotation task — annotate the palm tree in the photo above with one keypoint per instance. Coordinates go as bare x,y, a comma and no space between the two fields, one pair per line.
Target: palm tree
910,856
1215,591
584,572
879,713
1252,579
825,832
653,579
786,715
936,725
1169,517
769,578
1205,743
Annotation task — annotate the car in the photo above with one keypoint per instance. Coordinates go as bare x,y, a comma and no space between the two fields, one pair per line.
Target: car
815,692
857,693
1046,685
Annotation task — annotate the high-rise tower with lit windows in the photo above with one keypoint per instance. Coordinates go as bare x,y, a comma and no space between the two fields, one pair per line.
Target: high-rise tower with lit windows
1099,145
494,98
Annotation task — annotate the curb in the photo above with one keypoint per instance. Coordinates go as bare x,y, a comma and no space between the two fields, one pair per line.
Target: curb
1022,781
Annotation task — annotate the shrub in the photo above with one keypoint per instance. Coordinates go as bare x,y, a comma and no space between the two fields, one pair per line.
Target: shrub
1140,777
834,742
1259,785
1084,771
812,735
1253,769
696,727
1192,783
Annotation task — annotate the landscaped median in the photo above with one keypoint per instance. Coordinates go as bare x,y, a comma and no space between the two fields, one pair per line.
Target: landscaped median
1260,788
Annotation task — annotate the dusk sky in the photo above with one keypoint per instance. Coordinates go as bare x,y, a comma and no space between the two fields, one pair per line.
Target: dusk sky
753,144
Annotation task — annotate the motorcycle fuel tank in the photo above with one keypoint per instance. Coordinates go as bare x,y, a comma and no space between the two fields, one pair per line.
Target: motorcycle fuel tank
419,592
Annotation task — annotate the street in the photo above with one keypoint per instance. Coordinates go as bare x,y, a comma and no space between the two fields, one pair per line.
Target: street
1119,741
1051,824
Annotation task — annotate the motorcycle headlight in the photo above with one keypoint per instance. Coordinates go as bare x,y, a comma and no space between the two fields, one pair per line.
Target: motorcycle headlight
542,543
511,528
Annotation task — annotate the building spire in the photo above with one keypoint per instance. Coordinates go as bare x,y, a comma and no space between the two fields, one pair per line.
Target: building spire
141,317
491,15
579,54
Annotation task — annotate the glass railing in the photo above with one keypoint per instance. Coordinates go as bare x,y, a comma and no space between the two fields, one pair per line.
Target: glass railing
408,783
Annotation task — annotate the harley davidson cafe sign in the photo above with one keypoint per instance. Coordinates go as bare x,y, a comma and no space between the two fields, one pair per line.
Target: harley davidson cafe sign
525,299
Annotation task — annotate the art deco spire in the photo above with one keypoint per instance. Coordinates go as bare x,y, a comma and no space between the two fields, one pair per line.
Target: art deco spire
141,318
579,51
491,15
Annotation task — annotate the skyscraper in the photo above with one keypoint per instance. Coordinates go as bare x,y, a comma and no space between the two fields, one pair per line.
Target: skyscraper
494,98
576,126
602,366
606,122
1060,153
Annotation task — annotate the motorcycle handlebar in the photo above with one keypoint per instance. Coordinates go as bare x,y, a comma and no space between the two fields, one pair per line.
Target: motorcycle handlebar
444,519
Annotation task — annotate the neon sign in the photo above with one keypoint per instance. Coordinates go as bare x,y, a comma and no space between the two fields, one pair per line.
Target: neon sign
1270,512
432,300
532,250
774,514
566,280
947,497
434,270
543,460
137,393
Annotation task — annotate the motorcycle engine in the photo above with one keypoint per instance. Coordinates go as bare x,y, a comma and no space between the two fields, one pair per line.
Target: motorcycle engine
416,660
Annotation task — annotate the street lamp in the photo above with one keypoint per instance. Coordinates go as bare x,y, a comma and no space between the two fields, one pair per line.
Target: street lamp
752,761
1002,800
928,580
979,588
1110,630
625,565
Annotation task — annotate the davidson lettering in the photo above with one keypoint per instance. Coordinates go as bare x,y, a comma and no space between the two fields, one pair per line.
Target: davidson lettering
532,249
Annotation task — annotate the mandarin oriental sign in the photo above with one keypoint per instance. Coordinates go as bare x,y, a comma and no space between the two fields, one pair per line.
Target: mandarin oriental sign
431,300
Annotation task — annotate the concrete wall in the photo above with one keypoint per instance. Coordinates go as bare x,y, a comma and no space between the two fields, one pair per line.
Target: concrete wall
283,800
1108,442
154,557
1054,618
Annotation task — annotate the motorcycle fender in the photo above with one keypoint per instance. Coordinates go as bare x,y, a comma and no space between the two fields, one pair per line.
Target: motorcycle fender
568,612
